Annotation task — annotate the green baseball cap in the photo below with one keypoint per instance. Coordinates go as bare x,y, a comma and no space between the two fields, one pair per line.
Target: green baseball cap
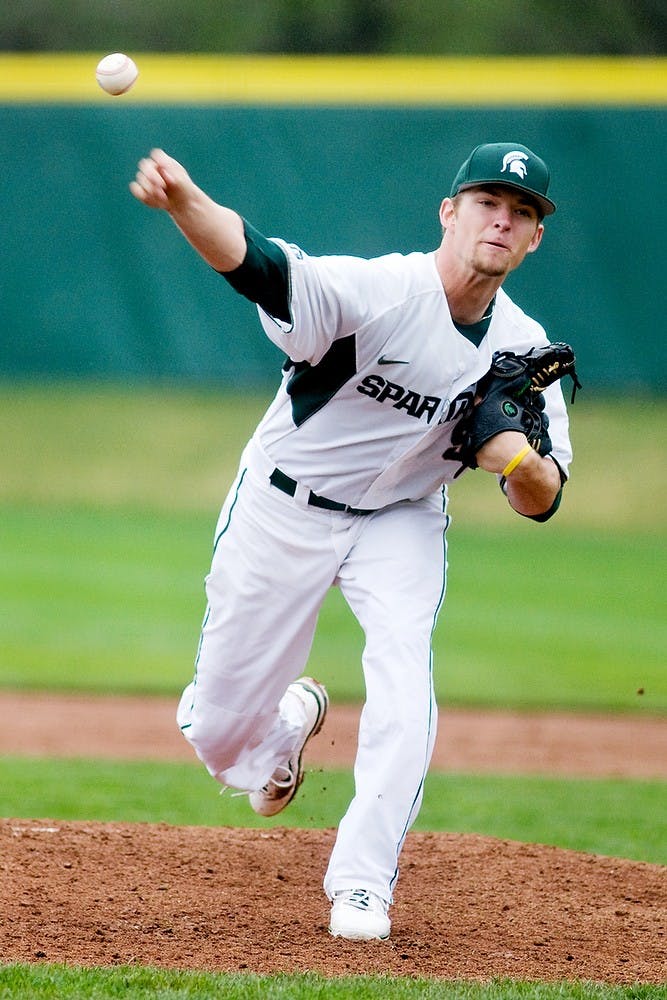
510,164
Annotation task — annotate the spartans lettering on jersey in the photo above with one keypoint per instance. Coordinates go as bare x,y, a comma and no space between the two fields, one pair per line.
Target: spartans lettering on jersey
414,403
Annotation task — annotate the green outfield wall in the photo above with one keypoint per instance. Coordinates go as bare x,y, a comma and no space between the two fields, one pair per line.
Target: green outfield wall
338,155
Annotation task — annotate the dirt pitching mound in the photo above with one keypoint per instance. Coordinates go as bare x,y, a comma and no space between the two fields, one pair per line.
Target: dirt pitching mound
246,900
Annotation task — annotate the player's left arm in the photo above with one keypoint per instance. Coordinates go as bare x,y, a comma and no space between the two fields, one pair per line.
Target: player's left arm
518,428
533,487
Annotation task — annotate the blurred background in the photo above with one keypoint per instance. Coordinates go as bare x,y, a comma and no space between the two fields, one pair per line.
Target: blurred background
437,27
348,154
130,374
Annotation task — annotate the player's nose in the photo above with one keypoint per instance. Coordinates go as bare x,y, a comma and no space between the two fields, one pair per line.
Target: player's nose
503,217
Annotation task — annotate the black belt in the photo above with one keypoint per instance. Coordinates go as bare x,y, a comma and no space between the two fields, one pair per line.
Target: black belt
287,485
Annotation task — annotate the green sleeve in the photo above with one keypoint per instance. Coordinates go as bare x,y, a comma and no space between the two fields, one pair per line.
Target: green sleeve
263,277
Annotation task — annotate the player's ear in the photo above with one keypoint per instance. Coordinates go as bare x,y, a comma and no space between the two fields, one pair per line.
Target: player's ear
447,212
537,238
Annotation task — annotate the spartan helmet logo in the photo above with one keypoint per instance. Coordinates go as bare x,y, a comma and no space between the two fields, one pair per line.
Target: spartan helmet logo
514,161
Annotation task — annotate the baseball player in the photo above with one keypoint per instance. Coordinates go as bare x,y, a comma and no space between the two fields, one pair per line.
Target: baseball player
344,483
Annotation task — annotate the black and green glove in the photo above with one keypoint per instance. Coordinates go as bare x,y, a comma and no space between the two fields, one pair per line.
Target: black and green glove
509,398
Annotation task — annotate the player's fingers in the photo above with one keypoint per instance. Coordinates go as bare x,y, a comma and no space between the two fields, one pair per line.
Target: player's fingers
167,176
160,179
148,168
136,190
171,171
164,165
148,186
143,182
139,191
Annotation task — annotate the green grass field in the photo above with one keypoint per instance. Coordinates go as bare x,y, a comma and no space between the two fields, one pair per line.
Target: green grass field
17,982
108,501
118,598
616,817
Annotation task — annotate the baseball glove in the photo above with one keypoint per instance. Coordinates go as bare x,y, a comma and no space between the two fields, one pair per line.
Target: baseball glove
509,398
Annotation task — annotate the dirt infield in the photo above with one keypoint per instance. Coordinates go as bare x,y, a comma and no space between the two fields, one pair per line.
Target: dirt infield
136,728
248,900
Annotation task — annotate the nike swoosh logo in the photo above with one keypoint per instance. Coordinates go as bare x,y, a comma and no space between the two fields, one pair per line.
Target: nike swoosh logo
384,360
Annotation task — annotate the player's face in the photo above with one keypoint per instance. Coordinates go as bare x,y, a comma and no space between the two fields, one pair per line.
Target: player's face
491,229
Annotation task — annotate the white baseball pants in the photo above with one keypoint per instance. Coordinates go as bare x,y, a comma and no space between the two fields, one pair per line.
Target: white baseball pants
274,560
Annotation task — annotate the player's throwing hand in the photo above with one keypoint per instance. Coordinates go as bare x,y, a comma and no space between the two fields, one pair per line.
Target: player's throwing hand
161,181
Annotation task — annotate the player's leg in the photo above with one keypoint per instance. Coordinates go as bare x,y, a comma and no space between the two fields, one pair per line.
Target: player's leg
394,581
271,568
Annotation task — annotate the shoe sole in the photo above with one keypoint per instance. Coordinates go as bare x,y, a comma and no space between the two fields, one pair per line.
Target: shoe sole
319,692
359,937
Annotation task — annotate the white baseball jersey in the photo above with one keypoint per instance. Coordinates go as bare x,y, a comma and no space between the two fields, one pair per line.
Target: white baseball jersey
380,376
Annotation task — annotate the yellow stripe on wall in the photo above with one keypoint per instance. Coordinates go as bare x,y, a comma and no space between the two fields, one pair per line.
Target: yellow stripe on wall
392,80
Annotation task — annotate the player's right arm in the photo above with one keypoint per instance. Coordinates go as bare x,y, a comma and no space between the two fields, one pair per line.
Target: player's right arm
215,232
253,265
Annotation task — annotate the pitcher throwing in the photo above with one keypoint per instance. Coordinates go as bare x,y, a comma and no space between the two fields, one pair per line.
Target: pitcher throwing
344,483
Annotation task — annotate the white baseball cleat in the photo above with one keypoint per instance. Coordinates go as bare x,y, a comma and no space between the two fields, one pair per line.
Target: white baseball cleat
284,783
359,915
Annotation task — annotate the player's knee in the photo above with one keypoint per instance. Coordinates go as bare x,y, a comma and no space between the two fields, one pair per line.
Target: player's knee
217,736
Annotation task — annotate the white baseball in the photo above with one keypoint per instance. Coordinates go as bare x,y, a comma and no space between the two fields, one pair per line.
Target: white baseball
116,73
